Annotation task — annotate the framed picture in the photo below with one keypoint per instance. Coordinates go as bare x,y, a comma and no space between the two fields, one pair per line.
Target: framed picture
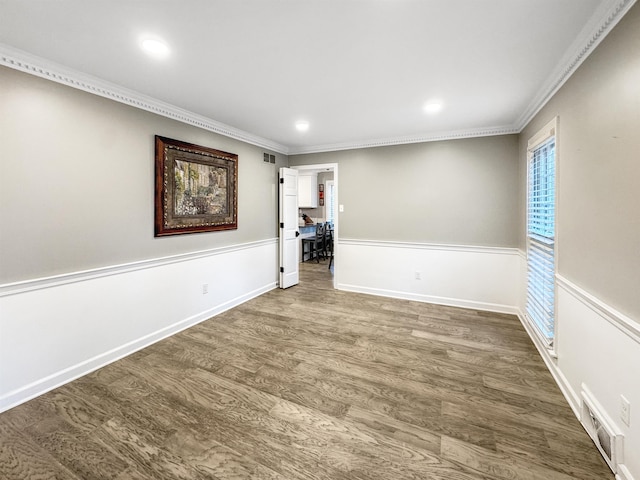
196,188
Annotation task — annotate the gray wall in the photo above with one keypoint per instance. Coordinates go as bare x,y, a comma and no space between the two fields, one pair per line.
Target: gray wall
462,192
598,218
77,182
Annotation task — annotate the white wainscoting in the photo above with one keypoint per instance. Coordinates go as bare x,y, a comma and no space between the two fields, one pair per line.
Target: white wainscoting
56,329
599,347
484,278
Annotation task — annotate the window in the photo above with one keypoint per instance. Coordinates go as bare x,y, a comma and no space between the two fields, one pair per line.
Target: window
330,201
541,226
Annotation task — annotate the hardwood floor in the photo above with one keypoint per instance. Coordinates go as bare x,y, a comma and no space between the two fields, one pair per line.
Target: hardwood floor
312,383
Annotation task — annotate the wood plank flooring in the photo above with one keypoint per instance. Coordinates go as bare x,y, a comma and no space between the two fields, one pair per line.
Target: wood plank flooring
312,383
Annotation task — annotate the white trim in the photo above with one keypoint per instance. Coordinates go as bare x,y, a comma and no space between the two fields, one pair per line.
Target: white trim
403,140
611,315
81,276
431,246
326,202
600,310
320,167
544,134
623,473
450,302
439,264
40,67
602,22
41,386
536,338
323,167
549,130
95,320
536,334
550,360
591,406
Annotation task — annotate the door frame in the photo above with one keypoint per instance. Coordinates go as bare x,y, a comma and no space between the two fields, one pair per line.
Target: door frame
336,232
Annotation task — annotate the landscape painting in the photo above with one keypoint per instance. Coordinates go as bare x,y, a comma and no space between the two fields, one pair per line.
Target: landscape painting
196,188
199,189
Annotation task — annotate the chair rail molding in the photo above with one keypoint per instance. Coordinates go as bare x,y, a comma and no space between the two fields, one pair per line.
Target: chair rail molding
80,276
59,328
467,276
598,347
430,246
608,313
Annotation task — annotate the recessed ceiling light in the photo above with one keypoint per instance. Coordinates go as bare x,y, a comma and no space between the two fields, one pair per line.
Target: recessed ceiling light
302,126
154,47
433,106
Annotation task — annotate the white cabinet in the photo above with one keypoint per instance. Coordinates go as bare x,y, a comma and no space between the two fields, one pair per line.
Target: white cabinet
307,190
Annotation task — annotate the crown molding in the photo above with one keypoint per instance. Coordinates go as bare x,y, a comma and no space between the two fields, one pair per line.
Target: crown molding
601,23
384,142
20,60
38,66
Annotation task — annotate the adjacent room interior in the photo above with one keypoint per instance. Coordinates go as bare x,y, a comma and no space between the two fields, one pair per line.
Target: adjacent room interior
470,312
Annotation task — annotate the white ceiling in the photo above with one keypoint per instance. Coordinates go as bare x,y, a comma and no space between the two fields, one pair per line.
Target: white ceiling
359,71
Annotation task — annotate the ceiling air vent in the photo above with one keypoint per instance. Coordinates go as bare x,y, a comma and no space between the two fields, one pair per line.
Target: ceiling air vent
601,430
269,158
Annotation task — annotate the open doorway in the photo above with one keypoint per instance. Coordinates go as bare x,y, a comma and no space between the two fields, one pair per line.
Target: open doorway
319,206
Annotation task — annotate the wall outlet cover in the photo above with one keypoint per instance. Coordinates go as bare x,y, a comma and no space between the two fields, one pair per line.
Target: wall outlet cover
625,410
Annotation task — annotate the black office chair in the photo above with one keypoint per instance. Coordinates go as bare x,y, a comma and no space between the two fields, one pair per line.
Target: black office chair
316,243
329,245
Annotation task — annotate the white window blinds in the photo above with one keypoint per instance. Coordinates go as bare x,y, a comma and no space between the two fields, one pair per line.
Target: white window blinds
541,201
330,201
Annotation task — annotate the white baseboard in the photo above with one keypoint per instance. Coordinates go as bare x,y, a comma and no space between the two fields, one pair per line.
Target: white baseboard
39,387
483,278
572,397
597,347
57,331
451,302
623,473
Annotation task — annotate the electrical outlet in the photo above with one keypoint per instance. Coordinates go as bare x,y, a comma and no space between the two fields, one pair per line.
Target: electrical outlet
625,410
418,276
205,288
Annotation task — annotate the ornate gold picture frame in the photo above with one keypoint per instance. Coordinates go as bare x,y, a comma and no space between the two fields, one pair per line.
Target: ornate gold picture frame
196,188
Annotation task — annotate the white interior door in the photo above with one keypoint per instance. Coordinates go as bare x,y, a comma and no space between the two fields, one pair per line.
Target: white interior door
288,218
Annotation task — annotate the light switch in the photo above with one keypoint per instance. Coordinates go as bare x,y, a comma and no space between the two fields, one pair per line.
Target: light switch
341,208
